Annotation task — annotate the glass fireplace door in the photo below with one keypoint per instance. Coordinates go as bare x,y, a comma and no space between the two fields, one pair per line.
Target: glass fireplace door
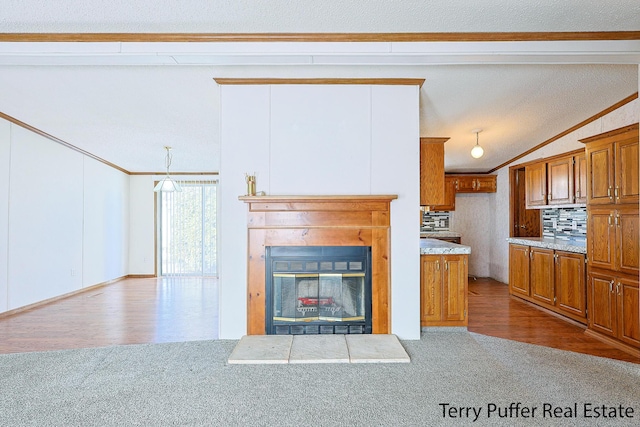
314,290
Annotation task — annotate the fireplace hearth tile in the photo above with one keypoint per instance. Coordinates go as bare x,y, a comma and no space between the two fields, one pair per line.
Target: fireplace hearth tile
319,349
262,349
376,349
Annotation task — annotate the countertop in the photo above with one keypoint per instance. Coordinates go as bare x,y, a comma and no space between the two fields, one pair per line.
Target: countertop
440,247
576,246
437,234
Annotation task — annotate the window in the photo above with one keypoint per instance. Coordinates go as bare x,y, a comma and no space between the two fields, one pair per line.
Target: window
187,230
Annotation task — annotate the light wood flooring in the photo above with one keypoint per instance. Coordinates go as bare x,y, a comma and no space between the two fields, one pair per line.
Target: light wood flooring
137,311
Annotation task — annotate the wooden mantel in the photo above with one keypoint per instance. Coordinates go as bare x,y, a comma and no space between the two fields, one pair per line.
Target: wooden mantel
360,220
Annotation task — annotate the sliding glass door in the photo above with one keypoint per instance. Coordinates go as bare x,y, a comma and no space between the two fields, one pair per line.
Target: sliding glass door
187,230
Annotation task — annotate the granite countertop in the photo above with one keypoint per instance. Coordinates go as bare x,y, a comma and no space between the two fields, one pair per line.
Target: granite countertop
437,234
576,246
440,247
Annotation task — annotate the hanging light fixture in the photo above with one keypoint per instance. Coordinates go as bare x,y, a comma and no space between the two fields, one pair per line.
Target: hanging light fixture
477,151
166,183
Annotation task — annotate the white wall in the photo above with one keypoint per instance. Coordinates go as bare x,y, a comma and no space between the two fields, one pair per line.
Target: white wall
106,223
499,248
349,140
472,219
66,223
142,225
5,144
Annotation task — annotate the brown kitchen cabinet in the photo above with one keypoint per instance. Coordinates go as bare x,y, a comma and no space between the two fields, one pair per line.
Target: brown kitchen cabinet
580,178
536,184
560,176
613,237
476,183
443,293
612,167
449,196
615,307
432,171
557,180
519,270
552,279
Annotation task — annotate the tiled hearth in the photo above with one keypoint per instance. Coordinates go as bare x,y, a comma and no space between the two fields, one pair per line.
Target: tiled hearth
281,349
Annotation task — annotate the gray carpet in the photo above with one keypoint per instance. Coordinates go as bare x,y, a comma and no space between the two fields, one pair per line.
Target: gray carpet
191,384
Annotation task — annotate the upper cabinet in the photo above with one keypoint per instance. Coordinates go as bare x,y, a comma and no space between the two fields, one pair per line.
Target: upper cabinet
449,195
432,171
558,180
580,178
536,184
612,167
475,183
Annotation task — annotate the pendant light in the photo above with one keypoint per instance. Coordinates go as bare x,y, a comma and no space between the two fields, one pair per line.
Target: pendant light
477,151
167,184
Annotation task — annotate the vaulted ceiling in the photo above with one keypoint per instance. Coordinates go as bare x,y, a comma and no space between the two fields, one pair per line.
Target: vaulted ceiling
123,98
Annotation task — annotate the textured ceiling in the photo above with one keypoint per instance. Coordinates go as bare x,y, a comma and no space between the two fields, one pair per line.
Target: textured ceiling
124,102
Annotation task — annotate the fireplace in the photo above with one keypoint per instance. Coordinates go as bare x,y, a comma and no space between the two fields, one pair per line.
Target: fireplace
302,223
318,290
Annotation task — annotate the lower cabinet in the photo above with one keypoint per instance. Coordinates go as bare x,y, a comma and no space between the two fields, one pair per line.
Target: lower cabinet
443,293
615,306
552,279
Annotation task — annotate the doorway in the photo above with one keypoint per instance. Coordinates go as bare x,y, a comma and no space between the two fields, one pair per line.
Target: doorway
524,222
187,230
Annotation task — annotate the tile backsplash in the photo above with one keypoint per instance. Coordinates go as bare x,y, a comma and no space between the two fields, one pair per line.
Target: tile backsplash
565,223
435,221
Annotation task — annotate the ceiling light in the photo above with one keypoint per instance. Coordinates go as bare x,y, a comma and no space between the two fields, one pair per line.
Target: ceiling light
167,184
477,151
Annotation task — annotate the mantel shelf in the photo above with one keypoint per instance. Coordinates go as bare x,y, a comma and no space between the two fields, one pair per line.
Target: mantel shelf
315,198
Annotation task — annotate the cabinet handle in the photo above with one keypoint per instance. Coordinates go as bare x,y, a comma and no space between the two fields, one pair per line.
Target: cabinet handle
456,184
437,265
577,194
610,215
609,192
530,254
611,286
617,220
615,192
618,288
550,196
555,258
473,184
446,265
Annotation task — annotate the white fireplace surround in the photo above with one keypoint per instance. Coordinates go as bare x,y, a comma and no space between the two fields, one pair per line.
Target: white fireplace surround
320,139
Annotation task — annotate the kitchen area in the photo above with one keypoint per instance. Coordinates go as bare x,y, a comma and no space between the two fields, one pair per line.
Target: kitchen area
572,243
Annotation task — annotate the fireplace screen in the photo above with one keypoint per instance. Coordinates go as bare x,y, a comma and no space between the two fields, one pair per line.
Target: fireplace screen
318,290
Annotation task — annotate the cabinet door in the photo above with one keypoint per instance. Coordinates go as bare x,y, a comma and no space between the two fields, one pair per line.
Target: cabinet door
455,287
560,181
542,275
600,176
431,171
580,178
627,239
601,238
571,289
465,184
628,311
486,184
449,195
626,157
519,269
536,179
431,292
602,303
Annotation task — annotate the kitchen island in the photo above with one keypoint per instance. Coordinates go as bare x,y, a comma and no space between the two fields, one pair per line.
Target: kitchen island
444,270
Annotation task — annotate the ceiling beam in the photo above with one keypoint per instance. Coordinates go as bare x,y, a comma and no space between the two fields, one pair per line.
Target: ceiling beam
322,37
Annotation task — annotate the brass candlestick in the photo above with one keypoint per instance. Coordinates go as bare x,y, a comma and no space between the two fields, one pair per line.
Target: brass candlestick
251,184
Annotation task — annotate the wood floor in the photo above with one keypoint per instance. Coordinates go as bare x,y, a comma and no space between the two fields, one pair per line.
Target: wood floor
136,311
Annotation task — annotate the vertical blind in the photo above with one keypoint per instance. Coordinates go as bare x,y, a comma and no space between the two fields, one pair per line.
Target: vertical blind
187,234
